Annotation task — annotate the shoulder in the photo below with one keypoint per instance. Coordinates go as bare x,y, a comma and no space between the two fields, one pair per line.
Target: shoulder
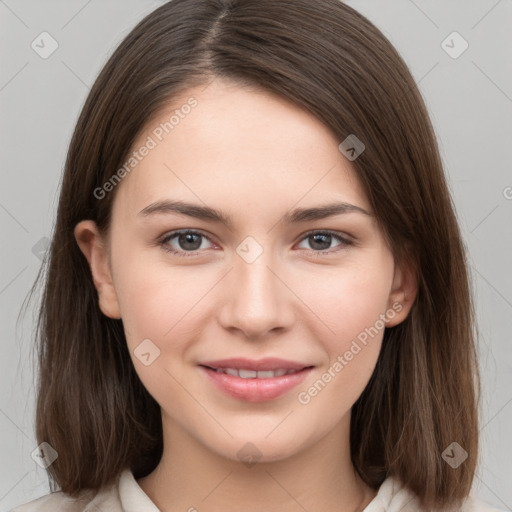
393,496
106,500
474,504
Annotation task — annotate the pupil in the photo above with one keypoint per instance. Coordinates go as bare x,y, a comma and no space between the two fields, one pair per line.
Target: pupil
318,239
187,238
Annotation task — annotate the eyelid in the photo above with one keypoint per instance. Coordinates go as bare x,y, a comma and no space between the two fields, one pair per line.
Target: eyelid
344,237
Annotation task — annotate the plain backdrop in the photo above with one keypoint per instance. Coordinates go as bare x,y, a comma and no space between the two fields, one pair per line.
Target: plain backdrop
468,94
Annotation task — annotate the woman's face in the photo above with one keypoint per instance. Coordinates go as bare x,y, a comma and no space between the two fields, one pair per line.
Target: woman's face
281,279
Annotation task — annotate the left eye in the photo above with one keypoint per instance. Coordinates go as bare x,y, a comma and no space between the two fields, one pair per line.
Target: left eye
190,241
323,238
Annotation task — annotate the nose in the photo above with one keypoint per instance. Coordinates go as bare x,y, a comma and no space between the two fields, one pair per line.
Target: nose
257,299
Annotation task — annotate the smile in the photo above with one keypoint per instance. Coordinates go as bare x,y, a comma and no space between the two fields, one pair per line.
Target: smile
252,385
252,374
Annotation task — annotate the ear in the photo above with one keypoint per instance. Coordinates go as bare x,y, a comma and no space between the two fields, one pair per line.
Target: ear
403,293
94,249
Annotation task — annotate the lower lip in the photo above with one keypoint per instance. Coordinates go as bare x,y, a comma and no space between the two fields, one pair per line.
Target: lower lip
255,390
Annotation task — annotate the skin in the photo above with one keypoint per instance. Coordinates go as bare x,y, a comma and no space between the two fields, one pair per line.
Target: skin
256,156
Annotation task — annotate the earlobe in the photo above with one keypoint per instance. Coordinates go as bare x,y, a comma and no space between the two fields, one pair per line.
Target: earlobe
93,247
403,294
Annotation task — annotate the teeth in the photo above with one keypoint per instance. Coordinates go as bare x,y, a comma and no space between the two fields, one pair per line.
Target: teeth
252,374
247,374
266,374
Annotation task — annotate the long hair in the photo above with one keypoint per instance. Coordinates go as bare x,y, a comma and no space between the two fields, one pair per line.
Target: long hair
326,57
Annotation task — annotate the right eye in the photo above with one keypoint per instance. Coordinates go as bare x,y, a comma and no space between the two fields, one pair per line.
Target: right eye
188,239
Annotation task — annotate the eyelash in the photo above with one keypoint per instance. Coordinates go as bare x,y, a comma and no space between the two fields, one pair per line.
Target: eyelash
184,254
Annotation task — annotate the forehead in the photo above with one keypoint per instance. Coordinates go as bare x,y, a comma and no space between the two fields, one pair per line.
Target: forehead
226,143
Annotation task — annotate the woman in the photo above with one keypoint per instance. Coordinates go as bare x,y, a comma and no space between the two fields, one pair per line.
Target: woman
256,368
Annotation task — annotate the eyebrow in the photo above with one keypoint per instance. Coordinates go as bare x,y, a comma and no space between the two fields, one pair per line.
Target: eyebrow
210,214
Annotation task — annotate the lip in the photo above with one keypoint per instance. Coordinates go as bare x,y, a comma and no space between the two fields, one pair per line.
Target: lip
256,389
268,363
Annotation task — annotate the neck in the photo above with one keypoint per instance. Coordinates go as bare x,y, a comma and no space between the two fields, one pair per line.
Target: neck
191,477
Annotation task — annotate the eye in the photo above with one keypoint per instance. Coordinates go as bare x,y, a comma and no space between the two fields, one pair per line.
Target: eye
321,241
187,240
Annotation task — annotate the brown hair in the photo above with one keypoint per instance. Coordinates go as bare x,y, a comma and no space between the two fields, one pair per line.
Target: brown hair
329,59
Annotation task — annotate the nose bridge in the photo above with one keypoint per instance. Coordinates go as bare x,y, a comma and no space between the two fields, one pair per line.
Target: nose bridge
258,301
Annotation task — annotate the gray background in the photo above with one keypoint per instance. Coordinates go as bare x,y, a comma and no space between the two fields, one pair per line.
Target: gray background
470,101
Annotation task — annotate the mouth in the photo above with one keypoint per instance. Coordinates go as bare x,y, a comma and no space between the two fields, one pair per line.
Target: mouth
245,373
255,385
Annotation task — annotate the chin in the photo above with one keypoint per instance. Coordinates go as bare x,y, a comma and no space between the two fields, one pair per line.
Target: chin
257,450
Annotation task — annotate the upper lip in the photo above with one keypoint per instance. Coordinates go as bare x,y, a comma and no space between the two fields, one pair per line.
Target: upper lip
268,363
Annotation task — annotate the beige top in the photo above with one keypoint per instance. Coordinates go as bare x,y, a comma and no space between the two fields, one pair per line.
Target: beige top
127,496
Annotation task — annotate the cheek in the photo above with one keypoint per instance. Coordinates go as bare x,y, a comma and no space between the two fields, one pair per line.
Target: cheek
347,301
160,311
349,304
157,302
